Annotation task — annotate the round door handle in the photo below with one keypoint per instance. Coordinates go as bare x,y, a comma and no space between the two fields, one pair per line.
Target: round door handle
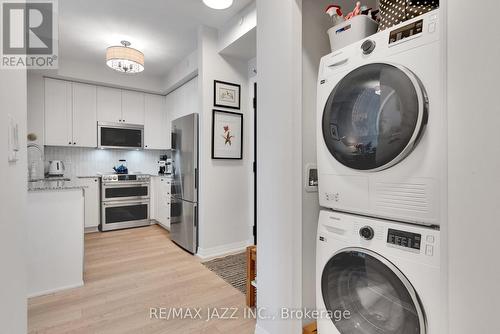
69,143
74,143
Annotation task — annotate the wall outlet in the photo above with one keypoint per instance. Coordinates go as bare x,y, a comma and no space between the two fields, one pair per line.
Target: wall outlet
311,178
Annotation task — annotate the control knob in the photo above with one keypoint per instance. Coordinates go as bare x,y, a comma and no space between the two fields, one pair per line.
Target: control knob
368,46
367,233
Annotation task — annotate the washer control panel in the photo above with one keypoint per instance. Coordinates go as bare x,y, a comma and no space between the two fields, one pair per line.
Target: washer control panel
407,31
404,239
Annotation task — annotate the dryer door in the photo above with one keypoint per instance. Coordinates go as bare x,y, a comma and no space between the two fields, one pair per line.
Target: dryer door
374,117
377,296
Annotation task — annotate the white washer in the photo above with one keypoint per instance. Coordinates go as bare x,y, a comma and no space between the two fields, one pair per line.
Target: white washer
381,124
377,276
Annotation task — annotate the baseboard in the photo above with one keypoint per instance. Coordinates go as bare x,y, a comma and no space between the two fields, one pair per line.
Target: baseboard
91,229
214,252
47,292
260,330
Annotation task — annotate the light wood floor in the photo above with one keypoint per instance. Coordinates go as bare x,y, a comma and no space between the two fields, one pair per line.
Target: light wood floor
126,273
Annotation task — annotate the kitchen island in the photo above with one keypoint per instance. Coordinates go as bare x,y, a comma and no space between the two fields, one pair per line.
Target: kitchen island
55,237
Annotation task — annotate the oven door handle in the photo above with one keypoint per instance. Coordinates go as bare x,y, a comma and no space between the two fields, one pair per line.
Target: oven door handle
125,185
125,203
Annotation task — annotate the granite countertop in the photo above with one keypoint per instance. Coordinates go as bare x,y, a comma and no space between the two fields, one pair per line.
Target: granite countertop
44,185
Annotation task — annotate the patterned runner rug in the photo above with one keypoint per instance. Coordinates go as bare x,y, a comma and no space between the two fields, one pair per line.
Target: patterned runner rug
232,269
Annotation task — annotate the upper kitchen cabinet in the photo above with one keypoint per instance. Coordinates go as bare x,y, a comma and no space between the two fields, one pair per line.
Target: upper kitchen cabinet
84,115
58,113
132,107
120,106
156,126
109,105
70,114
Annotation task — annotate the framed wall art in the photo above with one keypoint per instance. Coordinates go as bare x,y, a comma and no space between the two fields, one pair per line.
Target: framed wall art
227,135
227,95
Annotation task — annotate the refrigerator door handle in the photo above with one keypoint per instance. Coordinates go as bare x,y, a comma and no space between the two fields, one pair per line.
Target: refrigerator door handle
196,178
195,216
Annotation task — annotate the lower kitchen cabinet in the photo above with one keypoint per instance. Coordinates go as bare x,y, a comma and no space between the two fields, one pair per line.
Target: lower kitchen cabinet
161,197
92,203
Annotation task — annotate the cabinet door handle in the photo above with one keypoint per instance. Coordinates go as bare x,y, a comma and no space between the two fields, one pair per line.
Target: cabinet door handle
69,143
74,143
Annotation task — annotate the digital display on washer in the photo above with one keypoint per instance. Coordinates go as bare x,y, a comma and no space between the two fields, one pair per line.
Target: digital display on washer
409,30
404,239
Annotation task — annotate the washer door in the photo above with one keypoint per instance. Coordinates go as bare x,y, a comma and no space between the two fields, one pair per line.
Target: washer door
374,116
377,295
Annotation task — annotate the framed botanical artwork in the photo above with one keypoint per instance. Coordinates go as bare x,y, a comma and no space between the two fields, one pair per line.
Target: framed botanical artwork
227,135
227,95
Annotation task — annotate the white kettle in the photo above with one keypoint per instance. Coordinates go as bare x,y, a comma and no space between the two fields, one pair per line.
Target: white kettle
56,168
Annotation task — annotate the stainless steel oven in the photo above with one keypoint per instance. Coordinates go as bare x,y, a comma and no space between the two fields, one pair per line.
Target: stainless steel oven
125,201
121,136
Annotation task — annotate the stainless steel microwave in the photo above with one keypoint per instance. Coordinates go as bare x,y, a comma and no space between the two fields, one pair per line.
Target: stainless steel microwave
121,136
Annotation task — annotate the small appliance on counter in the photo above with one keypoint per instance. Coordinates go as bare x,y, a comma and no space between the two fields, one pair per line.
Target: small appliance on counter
56,168
162,165
170,167
121,167
165,165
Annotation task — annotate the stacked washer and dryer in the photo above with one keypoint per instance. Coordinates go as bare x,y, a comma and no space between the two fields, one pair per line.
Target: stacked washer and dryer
381,168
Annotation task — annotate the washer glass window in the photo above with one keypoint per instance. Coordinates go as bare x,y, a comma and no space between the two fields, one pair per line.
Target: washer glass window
379,298
374,116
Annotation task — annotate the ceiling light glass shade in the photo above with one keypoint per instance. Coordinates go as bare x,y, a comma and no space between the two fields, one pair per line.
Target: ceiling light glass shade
218,4
125,59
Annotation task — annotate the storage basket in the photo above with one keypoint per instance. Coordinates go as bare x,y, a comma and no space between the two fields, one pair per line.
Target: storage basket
393,12
351,31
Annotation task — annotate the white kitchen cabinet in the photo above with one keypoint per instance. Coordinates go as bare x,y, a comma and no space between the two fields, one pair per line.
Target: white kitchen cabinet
156,129
132,107
70,114
84,115
92,203
162,193
184,100
109,104
58,113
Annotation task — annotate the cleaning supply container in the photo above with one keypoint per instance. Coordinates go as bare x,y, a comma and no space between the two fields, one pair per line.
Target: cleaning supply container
351,31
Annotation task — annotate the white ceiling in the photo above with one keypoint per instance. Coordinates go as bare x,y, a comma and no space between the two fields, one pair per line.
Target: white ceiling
165,30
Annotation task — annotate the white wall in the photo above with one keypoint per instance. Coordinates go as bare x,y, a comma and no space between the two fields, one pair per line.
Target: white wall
36,106
238,26
184,71
77,71
279,246
315,44
224,210
13,194
474,165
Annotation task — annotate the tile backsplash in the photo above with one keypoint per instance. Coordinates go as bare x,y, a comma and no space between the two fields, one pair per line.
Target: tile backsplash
81,161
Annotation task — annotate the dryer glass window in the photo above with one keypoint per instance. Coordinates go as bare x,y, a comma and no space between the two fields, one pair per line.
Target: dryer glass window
377,297
374,116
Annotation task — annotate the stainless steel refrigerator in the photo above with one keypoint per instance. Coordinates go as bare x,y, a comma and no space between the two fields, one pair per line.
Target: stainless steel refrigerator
184,204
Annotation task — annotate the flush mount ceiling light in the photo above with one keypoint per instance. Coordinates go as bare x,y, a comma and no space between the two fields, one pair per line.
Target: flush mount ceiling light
218,4
125,59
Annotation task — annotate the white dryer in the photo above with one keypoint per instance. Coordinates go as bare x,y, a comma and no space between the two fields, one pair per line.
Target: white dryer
381,124
376,276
